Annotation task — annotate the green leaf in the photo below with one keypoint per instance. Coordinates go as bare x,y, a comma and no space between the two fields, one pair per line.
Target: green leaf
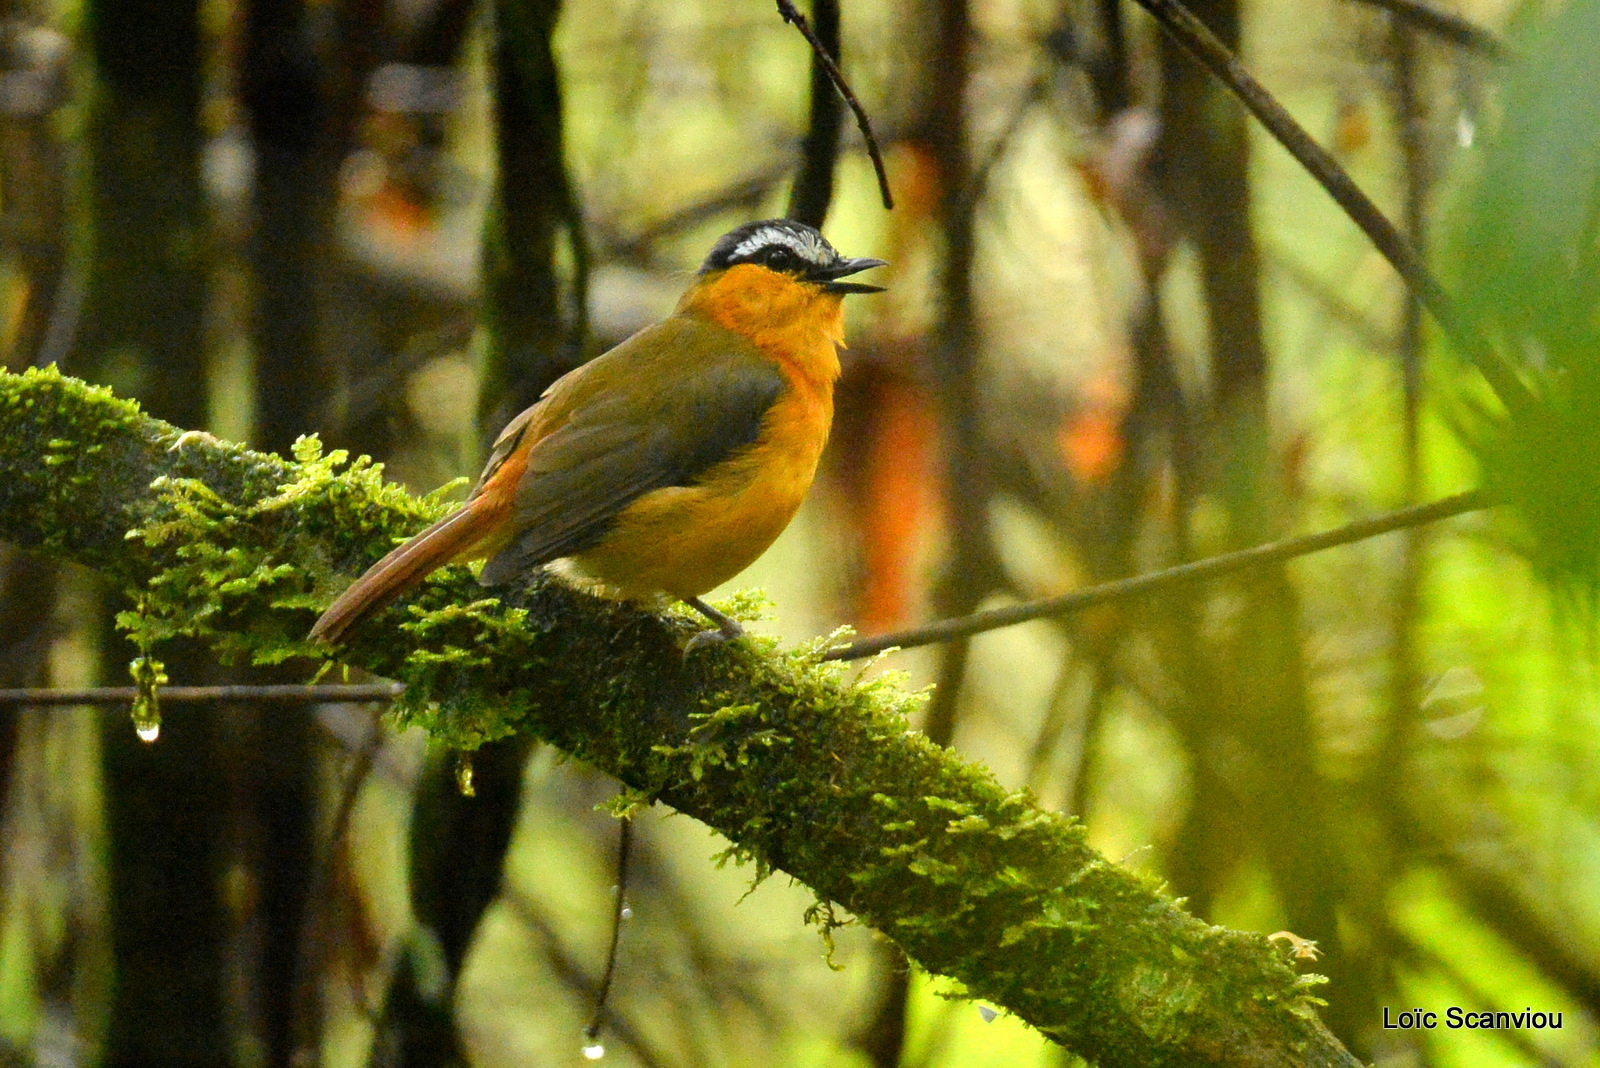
1529,272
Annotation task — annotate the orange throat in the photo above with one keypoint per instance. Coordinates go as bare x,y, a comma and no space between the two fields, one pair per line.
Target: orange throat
795,324
686,540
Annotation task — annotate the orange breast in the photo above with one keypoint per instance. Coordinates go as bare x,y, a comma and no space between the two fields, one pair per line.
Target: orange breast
687,540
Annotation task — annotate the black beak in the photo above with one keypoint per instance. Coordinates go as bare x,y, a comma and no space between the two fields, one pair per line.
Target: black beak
829,276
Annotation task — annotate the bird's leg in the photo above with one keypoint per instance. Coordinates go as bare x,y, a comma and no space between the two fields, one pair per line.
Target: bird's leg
727,627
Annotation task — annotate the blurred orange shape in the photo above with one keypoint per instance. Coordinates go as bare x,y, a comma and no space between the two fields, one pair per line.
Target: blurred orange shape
1091,444
897,500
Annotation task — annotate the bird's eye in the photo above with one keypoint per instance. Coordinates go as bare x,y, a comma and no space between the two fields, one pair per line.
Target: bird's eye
780,258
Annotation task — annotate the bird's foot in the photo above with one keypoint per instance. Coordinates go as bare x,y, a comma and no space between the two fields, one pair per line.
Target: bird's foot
727,628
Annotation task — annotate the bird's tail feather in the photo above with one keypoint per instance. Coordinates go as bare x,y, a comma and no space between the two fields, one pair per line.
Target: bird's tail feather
449,538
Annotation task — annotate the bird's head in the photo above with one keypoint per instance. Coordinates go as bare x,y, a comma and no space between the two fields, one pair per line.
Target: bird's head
792,249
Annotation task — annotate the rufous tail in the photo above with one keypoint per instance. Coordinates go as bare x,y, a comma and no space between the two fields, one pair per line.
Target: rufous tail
449,538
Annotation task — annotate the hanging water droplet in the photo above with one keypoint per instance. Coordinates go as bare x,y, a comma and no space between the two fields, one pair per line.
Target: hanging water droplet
627,912
594,1051
149,675
464,775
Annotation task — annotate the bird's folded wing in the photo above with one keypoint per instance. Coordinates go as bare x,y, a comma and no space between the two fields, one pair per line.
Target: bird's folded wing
658,410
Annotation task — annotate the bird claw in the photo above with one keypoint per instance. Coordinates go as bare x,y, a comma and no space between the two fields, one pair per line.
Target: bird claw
708,637
727,628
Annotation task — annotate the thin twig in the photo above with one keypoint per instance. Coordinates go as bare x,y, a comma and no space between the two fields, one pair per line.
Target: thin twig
115,695
624,842
1139,585
1446,24
812,191
944,630
570,974
792,15
1212,54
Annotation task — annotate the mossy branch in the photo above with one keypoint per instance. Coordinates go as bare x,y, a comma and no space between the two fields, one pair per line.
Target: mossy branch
804,766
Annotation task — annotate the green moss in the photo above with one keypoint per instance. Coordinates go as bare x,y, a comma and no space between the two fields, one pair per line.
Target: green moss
807,766
228,555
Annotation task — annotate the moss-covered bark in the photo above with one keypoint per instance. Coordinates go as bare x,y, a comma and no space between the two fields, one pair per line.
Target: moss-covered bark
804,766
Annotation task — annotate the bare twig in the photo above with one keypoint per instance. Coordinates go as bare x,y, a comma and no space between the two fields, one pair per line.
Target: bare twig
792,15
944,630
570,974
1201,43
1139,585
812,191
116,695
1445,24
618,914
65,315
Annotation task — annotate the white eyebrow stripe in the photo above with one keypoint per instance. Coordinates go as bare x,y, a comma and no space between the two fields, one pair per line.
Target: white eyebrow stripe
803,245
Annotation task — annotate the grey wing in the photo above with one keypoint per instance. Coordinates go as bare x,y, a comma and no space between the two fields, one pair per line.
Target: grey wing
617,445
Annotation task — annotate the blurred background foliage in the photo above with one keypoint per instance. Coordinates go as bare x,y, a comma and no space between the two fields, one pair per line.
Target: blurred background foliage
1124,330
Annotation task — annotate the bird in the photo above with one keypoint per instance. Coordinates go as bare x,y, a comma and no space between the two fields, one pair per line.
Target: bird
668,464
